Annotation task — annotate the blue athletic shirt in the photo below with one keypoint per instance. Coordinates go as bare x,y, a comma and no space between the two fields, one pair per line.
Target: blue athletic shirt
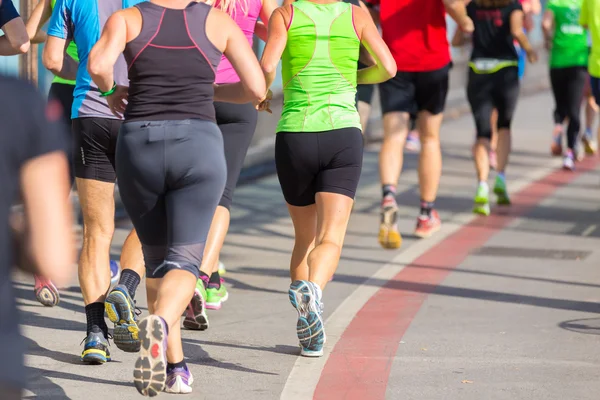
82,21
8,12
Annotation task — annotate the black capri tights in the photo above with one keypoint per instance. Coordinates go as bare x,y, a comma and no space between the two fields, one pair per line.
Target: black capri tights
171,175
567,86
498,90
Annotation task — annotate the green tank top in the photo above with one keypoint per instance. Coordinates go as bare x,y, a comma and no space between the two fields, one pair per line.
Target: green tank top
71,52
570,42
319,69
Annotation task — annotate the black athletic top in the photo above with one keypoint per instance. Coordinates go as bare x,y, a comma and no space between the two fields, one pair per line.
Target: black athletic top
29,129
492,38
172,65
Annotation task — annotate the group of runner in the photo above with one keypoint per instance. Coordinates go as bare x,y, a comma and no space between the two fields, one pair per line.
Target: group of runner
163,98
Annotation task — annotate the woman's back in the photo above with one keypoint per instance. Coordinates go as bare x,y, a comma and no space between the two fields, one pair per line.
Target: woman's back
570,41
319,68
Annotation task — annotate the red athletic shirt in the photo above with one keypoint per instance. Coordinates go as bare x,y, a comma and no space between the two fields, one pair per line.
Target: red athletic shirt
415,32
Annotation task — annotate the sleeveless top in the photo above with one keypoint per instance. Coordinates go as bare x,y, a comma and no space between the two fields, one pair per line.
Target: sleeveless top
245,18
171,65
319,69
71,52
570,41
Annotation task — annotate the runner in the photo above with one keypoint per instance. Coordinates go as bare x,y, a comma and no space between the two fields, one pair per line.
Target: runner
62,91
32,161
319,146
15,40
95,131
494,83
237,123
170,117
568,45
590,19
416,33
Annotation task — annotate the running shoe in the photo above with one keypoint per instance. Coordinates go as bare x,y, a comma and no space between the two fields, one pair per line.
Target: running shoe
179,381
115,272
150,373
501,192
222,270
216,295
588,143
389,235
556,146
493,159
45,292
427,226
413,144
95,349
482,200
195,314
310,327
121,310
569,161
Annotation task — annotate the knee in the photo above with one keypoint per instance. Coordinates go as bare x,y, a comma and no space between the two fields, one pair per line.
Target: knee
429,138
98,230
481,141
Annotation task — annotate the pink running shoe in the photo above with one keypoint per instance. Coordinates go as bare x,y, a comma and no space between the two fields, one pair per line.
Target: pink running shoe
45,292
413,143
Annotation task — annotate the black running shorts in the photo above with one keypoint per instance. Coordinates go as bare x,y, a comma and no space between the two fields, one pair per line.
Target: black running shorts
420,91
95,146
312,162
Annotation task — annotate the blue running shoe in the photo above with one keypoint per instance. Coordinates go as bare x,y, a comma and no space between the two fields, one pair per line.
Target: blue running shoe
310,327
150,373
95,349
120,309
115,272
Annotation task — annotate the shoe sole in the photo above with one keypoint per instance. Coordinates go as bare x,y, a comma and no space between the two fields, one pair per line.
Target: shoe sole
95,357
588,147
196,321
481,210
150,373
556,150
217,305
389,237
309,328
429,233
126,331
503,199
48,296
180,387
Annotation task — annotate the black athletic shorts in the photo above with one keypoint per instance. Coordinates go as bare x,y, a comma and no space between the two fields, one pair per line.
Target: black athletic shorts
237,122
95,146
312,162
364,93
420,91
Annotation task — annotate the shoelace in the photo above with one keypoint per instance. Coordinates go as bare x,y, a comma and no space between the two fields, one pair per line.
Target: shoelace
109,337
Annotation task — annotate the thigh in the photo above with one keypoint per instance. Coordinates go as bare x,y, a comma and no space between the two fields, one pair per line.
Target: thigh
575,89
365,93
595,84
432,90
506,94
95,141
398,94
341,155
333,214
479,94
297,163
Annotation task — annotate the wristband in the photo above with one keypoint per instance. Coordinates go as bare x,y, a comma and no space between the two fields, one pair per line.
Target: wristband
111,91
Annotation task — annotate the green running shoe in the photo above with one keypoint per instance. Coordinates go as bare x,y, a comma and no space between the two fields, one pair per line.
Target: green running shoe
501,193
482,200
216,295
195,313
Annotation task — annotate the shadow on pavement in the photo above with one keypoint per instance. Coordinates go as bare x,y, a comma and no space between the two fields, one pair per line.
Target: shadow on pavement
588,326
201,357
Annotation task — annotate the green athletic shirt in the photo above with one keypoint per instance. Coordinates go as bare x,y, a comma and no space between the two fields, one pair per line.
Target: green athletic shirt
71,51
590,17
570,42
319,69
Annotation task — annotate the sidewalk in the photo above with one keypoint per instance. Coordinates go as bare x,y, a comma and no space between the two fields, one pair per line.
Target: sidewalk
497,308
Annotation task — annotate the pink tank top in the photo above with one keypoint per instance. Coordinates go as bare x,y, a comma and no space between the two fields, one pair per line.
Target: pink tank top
225,72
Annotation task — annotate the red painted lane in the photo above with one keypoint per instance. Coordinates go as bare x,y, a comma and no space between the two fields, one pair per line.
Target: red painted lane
359,365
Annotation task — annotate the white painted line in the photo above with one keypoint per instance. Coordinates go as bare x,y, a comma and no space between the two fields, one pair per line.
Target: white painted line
306,372
589,230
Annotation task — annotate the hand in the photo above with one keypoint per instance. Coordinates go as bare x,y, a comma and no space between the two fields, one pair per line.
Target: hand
265,103
467,25
117,101
532,56
548,44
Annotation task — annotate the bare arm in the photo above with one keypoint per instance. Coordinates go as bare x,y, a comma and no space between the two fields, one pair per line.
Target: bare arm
44,182
275,46
385,66
458,12
548,27
55,61
268,6
516,29
364,56
251,87
106,51
15,39
40,15
459,38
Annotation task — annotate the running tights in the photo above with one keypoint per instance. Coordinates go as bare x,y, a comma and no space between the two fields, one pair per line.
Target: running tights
567,86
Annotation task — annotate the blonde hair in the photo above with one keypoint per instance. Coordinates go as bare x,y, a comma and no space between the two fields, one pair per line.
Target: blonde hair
230,6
